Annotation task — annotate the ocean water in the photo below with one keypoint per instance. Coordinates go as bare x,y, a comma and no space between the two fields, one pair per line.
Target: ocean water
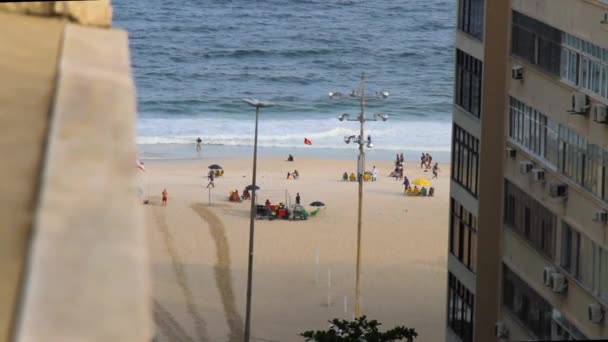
194,61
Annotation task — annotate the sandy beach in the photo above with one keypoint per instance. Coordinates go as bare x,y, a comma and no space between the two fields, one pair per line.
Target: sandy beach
198,251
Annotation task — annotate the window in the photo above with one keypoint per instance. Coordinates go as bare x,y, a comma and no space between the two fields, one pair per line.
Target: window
468,83
471,16
532,310
584,163
564,329
537,43
533,131
575,61
586,261
461,303
465,159
530,219
463,235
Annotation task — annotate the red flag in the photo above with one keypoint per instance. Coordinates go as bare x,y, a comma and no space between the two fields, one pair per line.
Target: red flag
307,142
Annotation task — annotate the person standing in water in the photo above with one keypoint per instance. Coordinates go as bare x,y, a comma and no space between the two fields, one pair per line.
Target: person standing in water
198,144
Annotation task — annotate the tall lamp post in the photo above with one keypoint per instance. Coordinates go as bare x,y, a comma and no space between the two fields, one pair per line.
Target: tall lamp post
257,104
361,169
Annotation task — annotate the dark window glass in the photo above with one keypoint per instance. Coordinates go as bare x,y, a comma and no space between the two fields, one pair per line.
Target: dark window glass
530,219
536,42
571,250
463,235
468,83
532,310
465,160
461,303
470,17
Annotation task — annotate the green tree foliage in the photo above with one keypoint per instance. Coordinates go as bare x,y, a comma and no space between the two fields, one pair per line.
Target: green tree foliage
359,330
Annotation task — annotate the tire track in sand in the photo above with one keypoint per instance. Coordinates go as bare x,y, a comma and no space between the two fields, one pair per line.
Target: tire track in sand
223,278
169,326
180,274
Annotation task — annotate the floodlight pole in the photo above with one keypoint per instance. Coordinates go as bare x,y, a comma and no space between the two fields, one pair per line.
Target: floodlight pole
251,230
257,104
360,209
361,170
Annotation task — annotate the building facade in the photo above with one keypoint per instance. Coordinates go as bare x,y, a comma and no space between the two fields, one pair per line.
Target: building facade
528,234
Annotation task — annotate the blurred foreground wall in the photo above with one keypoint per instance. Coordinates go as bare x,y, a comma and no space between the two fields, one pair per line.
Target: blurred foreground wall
73,261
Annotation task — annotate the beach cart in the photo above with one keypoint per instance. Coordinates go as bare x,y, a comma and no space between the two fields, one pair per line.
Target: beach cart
299,213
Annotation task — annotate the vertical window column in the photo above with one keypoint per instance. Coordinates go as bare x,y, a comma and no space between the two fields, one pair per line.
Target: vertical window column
465,159
468,83
461,304
471,17
463,235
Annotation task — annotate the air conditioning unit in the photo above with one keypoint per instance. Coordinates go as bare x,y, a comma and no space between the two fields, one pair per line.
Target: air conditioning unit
558,190
501,330
525,167
560,283
538,175
595,312
517,72
511,152
547,279
601,216
580,103
599,113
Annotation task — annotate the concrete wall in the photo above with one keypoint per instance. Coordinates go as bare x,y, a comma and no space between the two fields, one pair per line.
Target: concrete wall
581,17
493,107
73,254
523,259
469,44
552,97
26,94
90,13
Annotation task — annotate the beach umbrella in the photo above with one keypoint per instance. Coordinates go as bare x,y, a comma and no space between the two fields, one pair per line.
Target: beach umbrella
421,182
215,167
250,187
317,204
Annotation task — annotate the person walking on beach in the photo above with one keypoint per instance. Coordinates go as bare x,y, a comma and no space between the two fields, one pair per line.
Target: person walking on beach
406,183
165,196
429,160
374,173
397,160
401,159
298,198
435,169
198,144
422,160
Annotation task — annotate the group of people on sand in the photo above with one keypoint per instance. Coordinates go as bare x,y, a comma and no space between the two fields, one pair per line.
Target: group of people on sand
415,191
234,195
398,171
367,175
426,162
293,175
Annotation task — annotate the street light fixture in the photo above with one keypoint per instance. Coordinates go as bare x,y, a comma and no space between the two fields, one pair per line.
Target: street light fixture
361,167
257,104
